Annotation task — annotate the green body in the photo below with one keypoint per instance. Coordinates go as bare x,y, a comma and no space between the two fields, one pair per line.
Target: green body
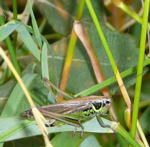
74,111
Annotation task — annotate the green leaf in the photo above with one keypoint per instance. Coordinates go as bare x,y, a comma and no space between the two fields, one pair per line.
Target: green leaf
61,15
122,47
90,141
145,119
145,91
44,62
7,29
81,75
72,140
5,91
25,36
26,142
60,18
34,24
15,102
9,86
16,128
11,126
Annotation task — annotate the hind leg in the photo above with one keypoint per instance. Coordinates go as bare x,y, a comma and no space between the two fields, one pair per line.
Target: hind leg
102,123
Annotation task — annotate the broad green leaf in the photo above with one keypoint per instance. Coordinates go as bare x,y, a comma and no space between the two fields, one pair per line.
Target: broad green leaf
71,141
11,126
16,128
59,14
81,75
90,141
122,47
129,80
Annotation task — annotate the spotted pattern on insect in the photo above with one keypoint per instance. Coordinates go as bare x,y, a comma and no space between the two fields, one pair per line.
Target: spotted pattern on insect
88,112
97,108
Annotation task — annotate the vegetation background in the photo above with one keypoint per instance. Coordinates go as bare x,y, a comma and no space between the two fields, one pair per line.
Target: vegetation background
41,40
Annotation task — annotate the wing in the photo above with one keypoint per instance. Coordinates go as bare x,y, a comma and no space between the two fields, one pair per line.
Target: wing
60,108
73,105
65,108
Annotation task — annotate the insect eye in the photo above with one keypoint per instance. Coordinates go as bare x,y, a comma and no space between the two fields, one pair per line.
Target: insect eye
107,102
97,105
